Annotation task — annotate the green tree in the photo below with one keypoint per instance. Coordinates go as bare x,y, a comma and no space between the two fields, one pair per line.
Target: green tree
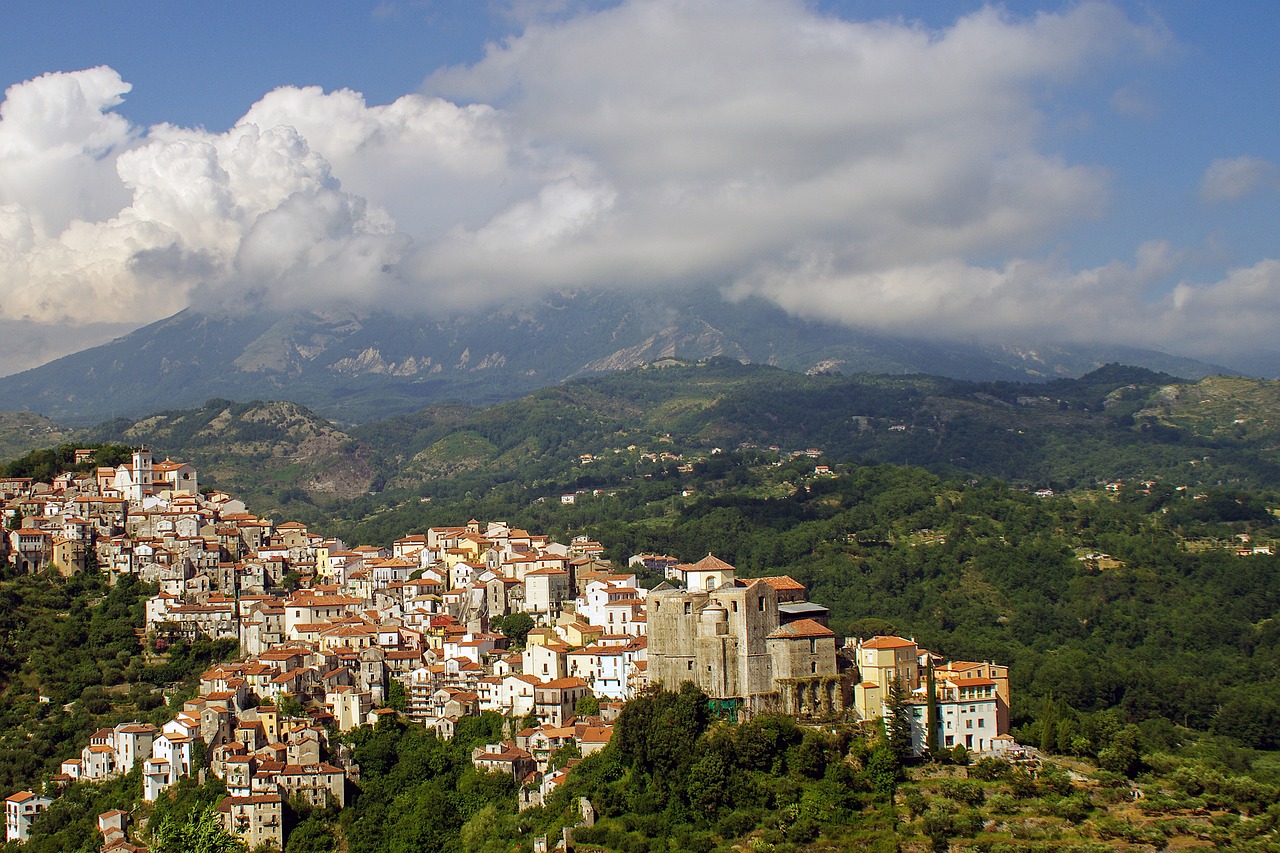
884,770
1049,726
897,723
1124,754
931,712
516,626
586,706
202,833
397,697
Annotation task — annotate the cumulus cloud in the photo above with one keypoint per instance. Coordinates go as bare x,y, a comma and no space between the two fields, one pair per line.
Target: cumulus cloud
864,171
1237,177
57,141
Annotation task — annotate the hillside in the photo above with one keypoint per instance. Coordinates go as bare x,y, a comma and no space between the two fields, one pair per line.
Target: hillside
256,449
1115,423
1155,674
21,432
1066,432
358,367
618,429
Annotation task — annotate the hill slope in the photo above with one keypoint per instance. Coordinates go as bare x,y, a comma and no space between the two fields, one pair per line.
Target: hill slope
256,450
1114,423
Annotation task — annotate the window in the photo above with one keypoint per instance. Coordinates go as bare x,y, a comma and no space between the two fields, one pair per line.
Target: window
982,722
968,724
968,741
733,605
688,608
690,666
813,667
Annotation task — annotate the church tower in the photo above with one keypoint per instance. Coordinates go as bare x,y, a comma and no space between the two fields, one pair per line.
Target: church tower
142,469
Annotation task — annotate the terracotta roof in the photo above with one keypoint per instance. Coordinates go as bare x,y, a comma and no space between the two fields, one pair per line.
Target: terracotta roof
887,643
782,582
802,629
709,563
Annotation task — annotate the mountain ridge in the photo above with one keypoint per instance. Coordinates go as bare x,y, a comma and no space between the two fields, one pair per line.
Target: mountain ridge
356,366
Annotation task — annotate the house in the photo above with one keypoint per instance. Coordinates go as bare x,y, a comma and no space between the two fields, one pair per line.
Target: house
178,477
349,706
554,701
968,714
114,827
720,640
157,774
506,758
256,818
799,651
32,549
546,661
20,810
316,783
708,573
133,743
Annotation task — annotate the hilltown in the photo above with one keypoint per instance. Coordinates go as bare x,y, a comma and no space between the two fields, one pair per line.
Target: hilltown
334,636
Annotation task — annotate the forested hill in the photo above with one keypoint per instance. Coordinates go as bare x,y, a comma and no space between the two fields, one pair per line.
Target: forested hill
1116,423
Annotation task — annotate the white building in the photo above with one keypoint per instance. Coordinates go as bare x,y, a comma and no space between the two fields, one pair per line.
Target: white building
19,810
967,714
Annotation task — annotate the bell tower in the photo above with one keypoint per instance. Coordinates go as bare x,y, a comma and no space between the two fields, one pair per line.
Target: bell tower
142,469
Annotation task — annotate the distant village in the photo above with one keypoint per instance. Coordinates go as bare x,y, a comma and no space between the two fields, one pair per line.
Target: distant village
334,636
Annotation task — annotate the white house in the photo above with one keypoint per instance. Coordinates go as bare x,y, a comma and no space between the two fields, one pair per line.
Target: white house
19,810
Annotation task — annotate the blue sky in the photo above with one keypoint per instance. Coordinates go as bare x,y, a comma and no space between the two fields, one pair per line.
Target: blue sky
1026,172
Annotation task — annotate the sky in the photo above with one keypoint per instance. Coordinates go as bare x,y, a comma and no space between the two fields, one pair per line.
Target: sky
1029,172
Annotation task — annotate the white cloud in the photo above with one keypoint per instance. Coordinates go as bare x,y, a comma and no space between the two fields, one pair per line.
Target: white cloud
57,141
730,133
1242,308
862,171
1237,177
1020,300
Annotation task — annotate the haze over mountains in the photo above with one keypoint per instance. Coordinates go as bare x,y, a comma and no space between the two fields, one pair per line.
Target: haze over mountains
356,365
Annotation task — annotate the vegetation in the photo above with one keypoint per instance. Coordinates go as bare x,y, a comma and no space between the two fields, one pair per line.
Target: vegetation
1143,648
44,464
1115,423
202,833
71,662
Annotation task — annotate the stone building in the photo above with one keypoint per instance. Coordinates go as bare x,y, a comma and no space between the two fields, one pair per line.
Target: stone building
729,640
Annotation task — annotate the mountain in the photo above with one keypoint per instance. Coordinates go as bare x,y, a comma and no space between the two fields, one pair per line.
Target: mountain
358,366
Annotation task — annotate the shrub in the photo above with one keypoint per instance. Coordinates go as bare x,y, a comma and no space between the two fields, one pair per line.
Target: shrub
990,769
968,793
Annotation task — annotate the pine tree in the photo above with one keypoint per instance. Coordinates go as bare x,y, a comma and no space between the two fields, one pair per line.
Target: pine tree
1049,726
897,723
931,711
